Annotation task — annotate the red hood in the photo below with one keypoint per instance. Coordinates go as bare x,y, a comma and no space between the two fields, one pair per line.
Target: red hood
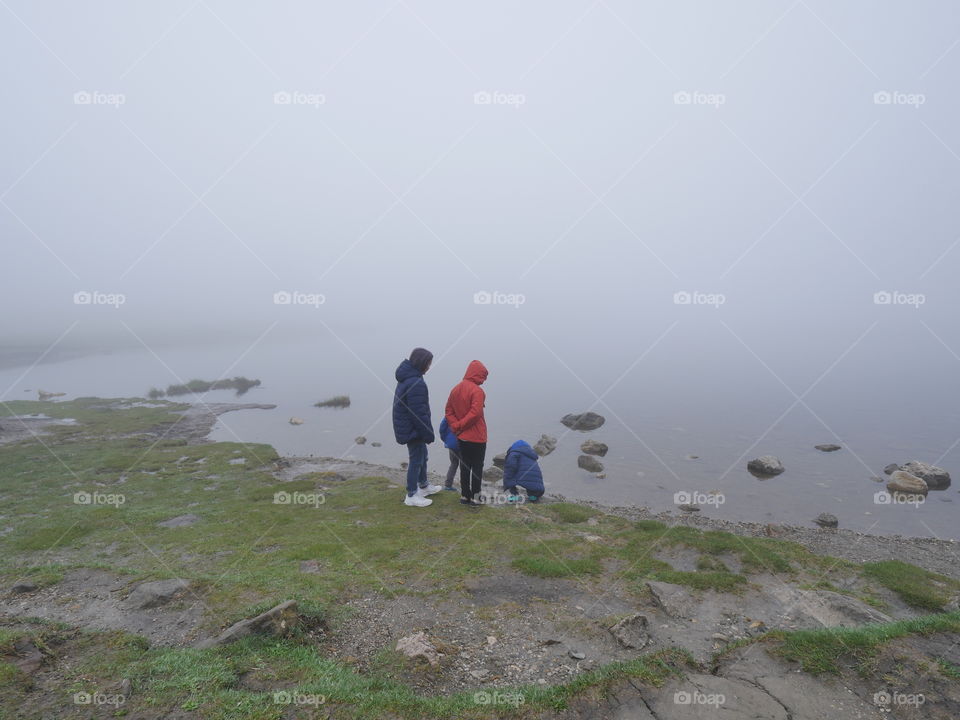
476,372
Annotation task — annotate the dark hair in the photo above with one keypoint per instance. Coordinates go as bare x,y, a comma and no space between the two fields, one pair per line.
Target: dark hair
421,358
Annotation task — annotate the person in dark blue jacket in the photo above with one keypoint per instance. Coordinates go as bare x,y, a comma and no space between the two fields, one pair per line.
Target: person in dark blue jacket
521,470
412,425
453,446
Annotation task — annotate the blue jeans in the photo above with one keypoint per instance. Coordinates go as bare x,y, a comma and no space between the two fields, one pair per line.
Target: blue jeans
417,469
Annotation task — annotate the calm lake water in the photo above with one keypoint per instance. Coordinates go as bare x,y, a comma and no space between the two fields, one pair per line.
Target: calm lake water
660,413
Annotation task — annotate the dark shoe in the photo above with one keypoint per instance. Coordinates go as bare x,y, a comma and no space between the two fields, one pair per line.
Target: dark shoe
469,503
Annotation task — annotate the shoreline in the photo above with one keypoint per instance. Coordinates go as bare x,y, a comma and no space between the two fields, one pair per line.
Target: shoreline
933,554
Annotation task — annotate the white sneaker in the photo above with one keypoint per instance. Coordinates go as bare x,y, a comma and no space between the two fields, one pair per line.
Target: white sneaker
417,501
429,490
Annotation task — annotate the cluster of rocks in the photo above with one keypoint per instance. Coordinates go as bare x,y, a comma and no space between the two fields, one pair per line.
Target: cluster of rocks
590,449
931,477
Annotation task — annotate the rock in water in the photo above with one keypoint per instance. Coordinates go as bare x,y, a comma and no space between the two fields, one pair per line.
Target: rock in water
375,444
418,647
631,632
361,440
279,620
935,477
492,474
904,482
891,468
583,421
45,395
545,445
500,460
765,466
826,520
295,421
590,464
826,448
592,447
155,594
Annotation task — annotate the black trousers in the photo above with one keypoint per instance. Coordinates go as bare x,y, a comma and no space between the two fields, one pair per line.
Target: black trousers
471,467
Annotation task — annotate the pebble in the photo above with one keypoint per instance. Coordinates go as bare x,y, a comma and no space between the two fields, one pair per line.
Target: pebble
576,655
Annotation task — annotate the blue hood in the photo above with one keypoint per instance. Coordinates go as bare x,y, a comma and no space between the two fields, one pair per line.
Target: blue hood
523,447
406,371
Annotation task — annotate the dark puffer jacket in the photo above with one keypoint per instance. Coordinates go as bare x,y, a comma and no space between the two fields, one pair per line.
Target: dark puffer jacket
411,406
522,469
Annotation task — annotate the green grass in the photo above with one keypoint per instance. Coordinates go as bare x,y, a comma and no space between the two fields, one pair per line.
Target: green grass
570,512
917,587
821,651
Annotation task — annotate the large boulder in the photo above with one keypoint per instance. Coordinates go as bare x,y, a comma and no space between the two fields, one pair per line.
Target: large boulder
583,421
590,464
418,647
157,593
545,445
935,477
593,447
903,482
765,466
278,621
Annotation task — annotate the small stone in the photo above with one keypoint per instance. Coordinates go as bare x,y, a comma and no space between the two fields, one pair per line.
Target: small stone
765,466
376,444
24,586
418,647
592,447
545,445
590,464
576,655
826,520
360,440
491,640
720,637
500,460
583,421
295,421
827,448
689,508
891,469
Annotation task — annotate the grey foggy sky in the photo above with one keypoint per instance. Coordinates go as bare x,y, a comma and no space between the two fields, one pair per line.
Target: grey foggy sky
509,198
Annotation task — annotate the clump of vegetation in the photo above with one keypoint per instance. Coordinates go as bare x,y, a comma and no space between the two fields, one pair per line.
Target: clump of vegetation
571,512
240,384
820,651
340,401
917,587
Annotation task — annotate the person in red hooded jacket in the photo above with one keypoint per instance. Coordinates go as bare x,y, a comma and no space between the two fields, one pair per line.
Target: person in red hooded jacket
464,415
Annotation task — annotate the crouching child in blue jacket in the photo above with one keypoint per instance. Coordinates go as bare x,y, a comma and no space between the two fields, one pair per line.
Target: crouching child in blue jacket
452,445
521,470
